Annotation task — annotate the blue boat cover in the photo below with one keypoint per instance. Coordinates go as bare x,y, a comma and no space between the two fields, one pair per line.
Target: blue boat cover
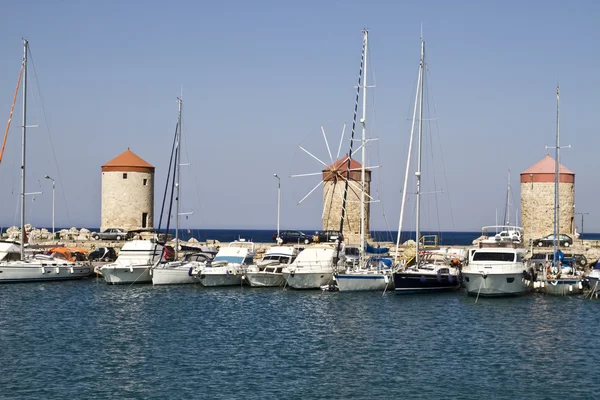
376,250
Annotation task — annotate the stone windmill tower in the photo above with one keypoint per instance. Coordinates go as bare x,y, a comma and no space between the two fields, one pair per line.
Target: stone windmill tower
333,193
537,199
127,193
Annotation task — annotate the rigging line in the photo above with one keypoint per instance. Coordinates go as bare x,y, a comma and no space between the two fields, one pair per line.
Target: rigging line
437,125
12,108
172,190
435,200
37,83
162,208
360,72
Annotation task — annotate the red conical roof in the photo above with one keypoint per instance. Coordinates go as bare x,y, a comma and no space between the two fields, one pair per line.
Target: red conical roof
128,161
546,165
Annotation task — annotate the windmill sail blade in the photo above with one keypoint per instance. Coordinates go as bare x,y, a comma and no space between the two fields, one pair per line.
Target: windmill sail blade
341,140
311,192
309,174
326,143
313,156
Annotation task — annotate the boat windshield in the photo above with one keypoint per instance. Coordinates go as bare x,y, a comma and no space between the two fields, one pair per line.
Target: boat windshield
493,256
230,259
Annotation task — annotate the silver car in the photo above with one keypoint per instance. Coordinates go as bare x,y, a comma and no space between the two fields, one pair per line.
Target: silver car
110,234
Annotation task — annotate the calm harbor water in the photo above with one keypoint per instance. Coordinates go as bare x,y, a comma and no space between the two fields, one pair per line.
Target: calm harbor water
89,340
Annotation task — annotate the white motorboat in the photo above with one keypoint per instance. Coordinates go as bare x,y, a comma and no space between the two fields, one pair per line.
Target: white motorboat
15,266
594,278
496,271
180,272
133,265
268,272
314,266
228,266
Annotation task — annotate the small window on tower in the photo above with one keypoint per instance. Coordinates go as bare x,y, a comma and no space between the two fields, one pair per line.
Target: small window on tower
125,175
145,182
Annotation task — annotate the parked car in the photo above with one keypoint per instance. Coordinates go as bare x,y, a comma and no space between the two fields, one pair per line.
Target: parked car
293,237
538,260
328,236
564,240
580,259
110,234
103,254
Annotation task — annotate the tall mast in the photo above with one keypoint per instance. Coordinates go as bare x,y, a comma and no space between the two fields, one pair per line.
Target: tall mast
418,173
410,144
177,165
23,143
557,177
363,144
507,216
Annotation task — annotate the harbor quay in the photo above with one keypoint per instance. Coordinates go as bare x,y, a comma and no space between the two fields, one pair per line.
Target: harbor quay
84,239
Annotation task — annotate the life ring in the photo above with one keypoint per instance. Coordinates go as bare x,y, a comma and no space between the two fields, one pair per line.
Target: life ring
549,277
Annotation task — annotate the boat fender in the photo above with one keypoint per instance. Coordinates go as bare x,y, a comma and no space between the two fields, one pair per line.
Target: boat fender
131,268
57,270
72,271
43,271
190,271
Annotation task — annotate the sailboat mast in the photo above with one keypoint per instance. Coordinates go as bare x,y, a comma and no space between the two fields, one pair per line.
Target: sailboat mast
508,200
557,176
418,173
23,143
410,145
363,145
177,165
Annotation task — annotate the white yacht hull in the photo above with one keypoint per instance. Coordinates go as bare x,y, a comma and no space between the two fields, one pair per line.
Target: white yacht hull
38,272
265,279
495,284
119,275
223,276
359,282
562,286
172,275
308,280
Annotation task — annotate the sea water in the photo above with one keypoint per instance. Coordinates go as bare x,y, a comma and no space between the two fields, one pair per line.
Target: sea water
86,339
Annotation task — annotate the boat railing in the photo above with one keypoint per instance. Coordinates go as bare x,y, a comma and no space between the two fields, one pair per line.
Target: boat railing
429,241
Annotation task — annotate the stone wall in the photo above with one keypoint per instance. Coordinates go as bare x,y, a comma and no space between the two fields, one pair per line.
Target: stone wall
332,204
537,208
125,200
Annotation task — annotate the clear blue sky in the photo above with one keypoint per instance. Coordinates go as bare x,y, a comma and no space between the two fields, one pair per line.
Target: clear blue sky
259,79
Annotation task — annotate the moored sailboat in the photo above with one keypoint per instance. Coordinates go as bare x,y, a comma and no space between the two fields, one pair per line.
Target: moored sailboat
426,275
364,275
15,266
559,280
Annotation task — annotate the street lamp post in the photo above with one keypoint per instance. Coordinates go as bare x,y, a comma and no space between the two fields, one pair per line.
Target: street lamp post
278,202
53,197
582,214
